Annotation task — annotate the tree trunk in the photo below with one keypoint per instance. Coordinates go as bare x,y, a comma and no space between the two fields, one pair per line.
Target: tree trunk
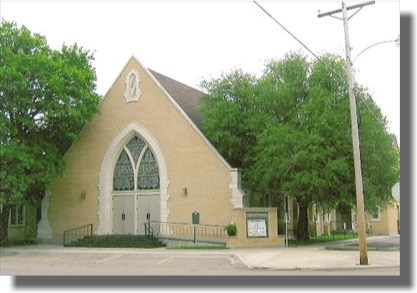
4,224
302,224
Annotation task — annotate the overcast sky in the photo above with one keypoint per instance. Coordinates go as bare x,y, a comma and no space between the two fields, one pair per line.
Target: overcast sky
191,41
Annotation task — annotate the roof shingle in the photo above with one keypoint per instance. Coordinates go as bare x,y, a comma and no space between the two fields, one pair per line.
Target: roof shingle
187,98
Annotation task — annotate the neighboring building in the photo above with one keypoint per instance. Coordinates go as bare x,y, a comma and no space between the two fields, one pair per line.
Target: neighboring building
342,220
387,220
320,223
142,156
23,221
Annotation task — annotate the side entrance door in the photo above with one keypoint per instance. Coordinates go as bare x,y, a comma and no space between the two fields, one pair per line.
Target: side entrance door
123,214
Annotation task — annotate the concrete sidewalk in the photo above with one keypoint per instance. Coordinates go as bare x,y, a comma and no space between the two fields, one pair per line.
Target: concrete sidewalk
383,251
302,258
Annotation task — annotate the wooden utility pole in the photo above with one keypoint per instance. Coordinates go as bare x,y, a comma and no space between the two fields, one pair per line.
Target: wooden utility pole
360,207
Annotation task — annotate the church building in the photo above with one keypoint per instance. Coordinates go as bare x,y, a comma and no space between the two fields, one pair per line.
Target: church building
141,157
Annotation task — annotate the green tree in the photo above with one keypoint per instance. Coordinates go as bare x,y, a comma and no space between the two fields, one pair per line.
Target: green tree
47,96
308,153
228,108
379,154
298,120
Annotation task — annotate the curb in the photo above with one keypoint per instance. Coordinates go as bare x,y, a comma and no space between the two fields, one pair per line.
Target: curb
244,261
356,248
357,267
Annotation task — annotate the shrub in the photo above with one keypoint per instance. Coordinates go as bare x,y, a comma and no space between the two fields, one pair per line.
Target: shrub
231,229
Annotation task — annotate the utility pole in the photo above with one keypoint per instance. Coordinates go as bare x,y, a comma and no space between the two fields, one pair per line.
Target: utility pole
360,207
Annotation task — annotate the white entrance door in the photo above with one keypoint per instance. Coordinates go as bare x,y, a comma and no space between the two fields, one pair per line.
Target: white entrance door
123,214
148,205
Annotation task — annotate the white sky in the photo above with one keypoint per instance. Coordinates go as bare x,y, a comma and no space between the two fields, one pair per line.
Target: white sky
190,41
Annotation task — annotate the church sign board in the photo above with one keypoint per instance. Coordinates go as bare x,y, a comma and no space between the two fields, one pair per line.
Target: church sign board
257,224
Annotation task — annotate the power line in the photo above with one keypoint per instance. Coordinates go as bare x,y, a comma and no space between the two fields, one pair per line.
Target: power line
292,35
369,109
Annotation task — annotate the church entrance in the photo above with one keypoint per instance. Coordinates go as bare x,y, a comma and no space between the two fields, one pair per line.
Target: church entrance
123,214
136,188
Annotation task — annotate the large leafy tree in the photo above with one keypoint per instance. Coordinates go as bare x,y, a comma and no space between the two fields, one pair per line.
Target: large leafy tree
293,135
379,153
309,154
229,111
46,96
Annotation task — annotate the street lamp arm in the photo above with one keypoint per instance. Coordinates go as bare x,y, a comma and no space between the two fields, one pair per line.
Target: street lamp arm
397,40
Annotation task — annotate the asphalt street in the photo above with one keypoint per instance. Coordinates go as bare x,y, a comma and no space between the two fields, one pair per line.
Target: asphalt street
336,259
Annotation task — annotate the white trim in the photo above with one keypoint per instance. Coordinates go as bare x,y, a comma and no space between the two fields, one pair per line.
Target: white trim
106,173
237,193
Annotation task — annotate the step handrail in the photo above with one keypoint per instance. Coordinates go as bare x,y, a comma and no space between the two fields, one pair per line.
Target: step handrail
149,231
78,233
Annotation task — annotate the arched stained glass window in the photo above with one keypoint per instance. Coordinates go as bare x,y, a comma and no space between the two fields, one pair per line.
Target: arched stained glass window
123,178
148,175
136,168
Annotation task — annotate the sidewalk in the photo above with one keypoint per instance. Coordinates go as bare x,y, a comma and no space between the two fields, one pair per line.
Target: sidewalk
303,258
383,251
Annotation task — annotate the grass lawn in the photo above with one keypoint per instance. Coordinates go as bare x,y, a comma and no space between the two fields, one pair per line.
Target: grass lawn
311,241
208,247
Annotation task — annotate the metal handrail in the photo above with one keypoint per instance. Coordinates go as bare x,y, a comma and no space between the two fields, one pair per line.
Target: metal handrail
149,231
78,233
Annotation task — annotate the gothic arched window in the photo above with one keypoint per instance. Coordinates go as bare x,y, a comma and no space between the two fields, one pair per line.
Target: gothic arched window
136,168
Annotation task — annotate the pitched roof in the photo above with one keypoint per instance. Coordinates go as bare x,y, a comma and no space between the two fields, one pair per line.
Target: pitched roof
187,98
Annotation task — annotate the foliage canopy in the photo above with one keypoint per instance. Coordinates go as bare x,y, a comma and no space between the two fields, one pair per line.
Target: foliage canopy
289,132
46,97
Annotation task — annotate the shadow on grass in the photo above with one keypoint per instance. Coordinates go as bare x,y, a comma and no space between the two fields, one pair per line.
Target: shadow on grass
322,239
19,242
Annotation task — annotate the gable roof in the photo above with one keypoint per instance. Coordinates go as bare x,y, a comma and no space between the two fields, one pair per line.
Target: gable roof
187,98
184,97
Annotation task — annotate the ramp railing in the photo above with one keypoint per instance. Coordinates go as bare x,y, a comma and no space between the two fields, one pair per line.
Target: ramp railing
186,231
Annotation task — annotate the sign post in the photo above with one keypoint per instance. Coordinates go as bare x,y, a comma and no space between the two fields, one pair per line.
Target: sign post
195,221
